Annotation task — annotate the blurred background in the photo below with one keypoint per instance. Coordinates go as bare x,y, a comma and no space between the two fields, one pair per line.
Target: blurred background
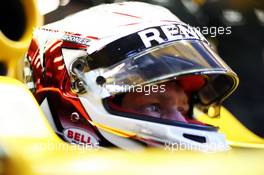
242,48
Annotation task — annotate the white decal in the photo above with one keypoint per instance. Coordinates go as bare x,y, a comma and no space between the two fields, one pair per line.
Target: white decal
170,33
188,32
150,35
76,39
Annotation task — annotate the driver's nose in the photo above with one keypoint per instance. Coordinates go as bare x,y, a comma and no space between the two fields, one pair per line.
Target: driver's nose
174,114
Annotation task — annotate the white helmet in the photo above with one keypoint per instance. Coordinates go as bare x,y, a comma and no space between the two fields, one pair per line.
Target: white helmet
84,66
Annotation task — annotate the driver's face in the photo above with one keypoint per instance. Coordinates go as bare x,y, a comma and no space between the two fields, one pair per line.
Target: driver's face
172,104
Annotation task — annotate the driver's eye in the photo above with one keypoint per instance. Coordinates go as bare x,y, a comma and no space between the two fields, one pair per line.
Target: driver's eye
153,108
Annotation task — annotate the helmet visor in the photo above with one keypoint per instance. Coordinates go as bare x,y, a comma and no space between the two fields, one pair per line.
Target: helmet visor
163,63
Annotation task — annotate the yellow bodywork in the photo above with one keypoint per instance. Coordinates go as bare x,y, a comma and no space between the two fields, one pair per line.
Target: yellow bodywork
236,133
12,52
28,146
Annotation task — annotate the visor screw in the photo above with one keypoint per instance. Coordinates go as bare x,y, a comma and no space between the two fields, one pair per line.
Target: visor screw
80,85
75,117
100,80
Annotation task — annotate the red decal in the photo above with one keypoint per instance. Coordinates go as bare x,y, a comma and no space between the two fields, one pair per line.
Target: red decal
77,137
127,15
70,134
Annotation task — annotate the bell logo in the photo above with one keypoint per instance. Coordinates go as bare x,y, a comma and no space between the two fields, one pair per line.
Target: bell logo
78,137
74,135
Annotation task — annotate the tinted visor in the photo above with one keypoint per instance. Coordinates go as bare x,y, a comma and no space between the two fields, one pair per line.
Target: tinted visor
163,63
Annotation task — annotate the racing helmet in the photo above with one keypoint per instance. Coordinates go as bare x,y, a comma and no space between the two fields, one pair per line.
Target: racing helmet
80,68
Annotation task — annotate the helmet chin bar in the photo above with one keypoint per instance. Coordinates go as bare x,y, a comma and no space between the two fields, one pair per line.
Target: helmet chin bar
150,132
184,138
